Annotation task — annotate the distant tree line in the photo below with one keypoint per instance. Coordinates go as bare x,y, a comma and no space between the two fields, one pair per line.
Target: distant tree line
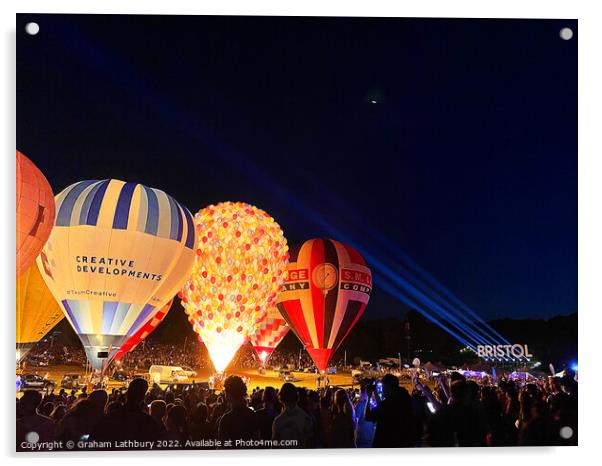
553,340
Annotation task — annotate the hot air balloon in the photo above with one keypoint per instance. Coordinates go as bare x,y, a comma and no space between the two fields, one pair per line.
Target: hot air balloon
240,264
269,334
144,332
117,254
37,310
326,290
35,212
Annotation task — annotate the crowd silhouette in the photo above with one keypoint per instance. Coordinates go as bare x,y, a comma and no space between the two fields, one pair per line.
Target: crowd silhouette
457,412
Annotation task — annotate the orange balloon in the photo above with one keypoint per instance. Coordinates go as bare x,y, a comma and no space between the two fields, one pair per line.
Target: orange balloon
35,212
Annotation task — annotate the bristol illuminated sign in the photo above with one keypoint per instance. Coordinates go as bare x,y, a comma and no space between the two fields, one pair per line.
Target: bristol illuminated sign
503,351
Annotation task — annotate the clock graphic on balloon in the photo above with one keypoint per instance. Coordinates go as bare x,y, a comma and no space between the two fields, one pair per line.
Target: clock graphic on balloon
325,276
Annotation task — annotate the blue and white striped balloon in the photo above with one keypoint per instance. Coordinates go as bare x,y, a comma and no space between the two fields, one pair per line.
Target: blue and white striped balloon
118,252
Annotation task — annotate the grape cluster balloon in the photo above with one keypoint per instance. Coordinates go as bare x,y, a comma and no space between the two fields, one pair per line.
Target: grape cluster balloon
241,257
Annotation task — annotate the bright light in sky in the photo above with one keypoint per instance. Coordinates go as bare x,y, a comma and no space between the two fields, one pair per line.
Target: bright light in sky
566,33
32,28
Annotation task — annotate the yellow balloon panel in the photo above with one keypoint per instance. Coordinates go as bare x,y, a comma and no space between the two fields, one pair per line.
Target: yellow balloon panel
116,265
37,310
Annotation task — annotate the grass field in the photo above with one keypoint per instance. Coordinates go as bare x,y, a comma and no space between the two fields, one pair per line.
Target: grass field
269,378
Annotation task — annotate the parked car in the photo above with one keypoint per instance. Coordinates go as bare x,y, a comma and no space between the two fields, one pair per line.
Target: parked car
189,371
36,382
39,361
287,376
168,374
119,376
73,381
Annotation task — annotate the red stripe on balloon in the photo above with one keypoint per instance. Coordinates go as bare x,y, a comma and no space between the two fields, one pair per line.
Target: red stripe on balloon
353,312
143,332
292,311
317,295
354,255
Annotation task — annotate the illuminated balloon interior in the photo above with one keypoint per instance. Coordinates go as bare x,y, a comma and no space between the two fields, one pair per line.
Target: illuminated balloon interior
241,257
263,355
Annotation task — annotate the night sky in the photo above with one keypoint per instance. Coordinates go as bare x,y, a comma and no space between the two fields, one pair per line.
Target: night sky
453,142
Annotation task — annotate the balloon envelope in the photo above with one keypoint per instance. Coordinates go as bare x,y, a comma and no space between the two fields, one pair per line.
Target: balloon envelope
35,212
241,259
326,290
37,310
117,253
269,334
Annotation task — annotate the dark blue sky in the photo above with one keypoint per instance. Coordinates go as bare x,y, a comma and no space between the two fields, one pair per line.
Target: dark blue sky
467,162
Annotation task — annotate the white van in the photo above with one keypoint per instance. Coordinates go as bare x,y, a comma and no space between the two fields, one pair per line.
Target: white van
168,374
